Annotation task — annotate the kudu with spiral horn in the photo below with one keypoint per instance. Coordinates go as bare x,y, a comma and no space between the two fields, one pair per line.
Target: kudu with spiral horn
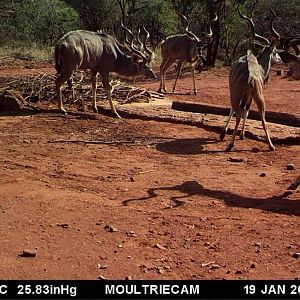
246,81
101,53
182,48
285,55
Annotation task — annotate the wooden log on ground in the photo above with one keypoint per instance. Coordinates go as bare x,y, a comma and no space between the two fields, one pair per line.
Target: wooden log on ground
271,116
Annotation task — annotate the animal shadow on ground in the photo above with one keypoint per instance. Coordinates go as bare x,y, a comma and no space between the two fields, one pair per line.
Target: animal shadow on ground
193,146
37,110
185,146
277,203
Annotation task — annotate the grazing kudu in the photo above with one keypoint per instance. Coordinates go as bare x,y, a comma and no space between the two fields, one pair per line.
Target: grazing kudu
181,48
100,53
246,81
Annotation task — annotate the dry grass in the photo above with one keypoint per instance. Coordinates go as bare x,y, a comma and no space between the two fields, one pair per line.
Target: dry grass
11,55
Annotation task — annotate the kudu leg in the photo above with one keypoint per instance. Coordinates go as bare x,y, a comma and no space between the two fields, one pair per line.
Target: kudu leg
245,116
71,87
59,81
237,123
245,109
94,91
108,90
260,102
224,131
163,70
194,80
179,66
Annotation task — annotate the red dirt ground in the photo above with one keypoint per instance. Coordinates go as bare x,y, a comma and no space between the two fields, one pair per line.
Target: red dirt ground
162,201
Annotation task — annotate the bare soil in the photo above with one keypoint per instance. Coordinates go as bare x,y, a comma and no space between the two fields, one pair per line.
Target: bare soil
153,200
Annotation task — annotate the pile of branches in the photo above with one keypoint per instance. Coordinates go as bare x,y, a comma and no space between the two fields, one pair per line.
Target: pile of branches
42,88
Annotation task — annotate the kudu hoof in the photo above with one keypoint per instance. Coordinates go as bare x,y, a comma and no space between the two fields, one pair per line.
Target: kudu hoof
229,147
222,135
271,148
62,111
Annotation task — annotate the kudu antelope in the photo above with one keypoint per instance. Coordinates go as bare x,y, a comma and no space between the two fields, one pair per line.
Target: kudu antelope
287,57
246,80
283,42
181,48
100,53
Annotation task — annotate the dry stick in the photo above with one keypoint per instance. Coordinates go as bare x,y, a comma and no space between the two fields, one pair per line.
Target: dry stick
92,142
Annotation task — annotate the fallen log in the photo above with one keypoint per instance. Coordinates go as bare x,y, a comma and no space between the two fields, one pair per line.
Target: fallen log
271,116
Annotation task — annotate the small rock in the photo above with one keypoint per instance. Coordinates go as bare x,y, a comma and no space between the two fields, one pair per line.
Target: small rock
235,159
110,228
63,225
258,244
262,174
255,150
102,267
28,253
131,179
290,167
214,266
238,272
102,277
159,246
253,266
296,255
209,245
129,277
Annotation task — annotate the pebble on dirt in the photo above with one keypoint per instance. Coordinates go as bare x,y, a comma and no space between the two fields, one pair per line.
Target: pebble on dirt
235,159
159,246
296,255
28,253
102,267
290,167
110,228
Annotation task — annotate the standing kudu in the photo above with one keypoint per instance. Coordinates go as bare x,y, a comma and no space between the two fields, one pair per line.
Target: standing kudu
246,80
287,57
181,48
100,53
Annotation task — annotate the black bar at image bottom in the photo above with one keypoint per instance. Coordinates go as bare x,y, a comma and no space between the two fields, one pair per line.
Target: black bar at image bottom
149,289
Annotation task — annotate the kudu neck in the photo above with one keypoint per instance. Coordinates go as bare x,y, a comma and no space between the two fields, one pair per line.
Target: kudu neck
264,59
124,65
